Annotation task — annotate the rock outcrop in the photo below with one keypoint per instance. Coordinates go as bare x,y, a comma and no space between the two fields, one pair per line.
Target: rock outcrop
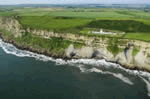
125,58
11,25
70,52
142,61
104,53
84,52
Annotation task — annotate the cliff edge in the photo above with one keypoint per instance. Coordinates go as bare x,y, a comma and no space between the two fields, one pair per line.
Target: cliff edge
133,54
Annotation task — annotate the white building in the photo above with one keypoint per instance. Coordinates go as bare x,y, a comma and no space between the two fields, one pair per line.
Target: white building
102,32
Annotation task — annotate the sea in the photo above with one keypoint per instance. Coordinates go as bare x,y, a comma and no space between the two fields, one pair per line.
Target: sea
27,75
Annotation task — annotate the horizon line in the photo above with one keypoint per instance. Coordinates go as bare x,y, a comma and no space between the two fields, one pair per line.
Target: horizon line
74,3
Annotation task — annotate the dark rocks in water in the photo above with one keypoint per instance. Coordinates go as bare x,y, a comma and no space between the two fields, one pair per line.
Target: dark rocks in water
94,55
118,61
66,58
72,54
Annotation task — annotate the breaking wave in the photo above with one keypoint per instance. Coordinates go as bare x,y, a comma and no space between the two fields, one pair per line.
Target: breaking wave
147,85
117,75
10,49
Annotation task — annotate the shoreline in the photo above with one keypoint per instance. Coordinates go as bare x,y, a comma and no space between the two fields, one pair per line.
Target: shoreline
65,58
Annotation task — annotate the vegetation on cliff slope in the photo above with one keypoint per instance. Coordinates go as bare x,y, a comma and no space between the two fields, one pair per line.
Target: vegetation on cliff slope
135,51
113,46
52,45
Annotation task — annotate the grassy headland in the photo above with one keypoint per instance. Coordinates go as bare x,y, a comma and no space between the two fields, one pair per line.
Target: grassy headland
136,25
78,25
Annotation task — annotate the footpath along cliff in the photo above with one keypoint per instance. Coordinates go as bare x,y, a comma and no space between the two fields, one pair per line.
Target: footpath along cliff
131,54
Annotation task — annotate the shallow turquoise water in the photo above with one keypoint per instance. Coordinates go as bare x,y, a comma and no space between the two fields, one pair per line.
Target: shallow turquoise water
30,78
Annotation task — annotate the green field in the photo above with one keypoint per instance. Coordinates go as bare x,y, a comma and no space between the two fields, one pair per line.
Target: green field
88,14
48,22
81,12
121,25
7,13
56,24
76,20
138,36
69,13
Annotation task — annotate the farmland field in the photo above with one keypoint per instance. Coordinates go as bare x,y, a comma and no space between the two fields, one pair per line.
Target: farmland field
88,14
75,20
81,12
7,13
121,25
138,36
50,23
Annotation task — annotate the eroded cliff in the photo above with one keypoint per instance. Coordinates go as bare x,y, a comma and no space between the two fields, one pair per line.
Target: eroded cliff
95,46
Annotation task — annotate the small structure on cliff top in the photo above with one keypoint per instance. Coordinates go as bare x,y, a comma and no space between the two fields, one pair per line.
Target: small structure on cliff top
102,32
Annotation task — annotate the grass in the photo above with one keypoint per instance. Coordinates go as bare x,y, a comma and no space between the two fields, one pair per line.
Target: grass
11,13
35,11
42,18
136,29
82,12
52,45
52,23
87,14
113,46
120,25
138,36
137,14
135,51
78,25
7,34
144,21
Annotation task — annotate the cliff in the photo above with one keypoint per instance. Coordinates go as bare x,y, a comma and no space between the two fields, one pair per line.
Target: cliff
132,54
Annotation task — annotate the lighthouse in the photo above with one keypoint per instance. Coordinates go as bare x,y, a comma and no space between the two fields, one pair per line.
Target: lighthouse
101,30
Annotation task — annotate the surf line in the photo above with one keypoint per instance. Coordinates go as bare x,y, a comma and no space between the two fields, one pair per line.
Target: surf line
117,75
10,49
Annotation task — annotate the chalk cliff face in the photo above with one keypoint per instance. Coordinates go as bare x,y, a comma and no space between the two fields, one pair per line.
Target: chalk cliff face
96,47
11,25
125,58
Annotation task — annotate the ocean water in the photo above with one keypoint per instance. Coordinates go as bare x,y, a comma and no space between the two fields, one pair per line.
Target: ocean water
26,75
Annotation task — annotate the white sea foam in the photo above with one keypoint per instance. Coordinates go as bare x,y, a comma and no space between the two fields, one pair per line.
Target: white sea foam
124,79
147,85
10,49
117,75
